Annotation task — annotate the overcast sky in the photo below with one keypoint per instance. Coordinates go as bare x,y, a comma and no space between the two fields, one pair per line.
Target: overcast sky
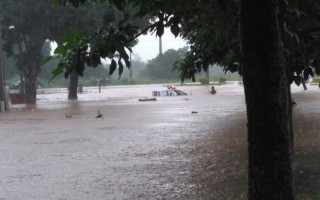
148,46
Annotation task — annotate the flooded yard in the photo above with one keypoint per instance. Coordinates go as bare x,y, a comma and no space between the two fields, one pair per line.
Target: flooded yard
181,147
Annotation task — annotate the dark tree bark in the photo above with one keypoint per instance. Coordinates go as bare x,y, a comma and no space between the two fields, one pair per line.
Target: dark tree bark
22,87
29,68
289,69
267,100
30,84
73,86
207,75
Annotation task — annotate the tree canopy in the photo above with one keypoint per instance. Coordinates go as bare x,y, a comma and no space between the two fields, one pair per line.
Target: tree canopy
213,35
38,21
161,66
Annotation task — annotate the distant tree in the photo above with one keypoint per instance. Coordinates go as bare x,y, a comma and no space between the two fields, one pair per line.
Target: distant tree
161,67
137,67
35,22
9,67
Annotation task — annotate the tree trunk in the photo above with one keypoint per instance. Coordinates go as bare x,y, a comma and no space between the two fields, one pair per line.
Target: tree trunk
21,69
288,66
291,133
207,75
30,85
303,82
73,85
267,101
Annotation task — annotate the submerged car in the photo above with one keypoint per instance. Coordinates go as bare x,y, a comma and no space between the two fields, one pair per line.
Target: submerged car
170,92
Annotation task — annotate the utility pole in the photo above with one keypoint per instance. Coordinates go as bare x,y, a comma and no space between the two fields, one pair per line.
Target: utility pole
2,94
160,46
130,69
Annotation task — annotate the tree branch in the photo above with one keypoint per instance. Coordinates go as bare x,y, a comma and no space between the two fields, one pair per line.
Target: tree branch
142,32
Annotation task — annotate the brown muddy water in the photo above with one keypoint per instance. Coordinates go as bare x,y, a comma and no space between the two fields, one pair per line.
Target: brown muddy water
142,150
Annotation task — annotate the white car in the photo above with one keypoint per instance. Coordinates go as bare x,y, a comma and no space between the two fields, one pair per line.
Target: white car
170,92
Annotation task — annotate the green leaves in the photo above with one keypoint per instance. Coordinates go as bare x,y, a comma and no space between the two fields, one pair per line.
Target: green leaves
291,33
69,40
160,28
112,42
118,3
61,49
72,35
93,60
59,70
174,23
120,67
47,59
113,67
175,30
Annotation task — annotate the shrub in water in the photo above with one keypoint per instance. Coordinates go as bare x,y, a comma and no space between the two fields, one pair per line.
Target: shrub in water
222,79
203,80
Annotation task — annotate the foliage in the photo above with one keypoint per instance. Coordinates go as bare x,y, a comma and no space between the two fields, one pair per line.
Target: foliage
203,80
113,40
222,79
213,39
9,67
35,22
302,38
161,67
213,34
137,66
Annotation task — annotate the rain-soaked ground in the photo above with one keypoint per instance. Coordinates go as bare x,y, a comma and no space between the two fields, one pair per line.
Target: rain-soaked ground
58,150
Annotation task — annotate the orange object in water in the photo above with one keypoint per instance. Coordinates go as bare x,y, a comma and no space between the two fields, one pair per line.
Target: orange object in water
171,87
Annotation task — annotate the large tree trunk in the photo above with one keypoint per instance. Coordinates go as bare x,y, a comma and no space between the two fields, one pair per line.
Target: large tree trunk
73,86
267,100
288,66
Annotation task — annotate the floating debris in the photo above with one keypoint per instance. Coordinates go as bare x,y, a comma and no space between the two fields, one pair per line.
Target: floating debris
148,99
99,114
293,104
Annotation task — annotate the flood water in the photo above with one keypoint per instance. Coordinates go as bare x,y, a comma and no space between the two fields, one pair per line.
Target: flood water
181,147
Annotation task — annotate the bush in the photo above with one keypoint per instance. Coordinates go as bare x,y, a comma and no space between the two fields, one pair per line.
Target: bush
125,81
315,79
88,81
222,79
204,80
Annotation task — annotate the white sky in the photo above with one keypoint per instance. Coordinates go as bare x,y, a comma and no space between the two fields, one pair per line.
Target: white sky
148,46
